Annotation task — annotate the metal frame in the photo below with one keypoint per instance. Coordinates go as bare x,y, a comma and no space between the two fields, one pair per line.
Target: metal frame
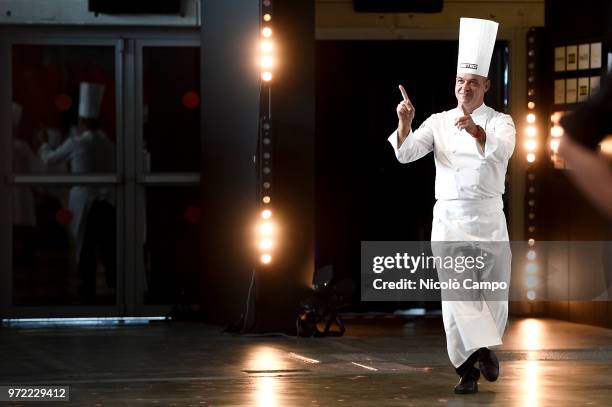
128,178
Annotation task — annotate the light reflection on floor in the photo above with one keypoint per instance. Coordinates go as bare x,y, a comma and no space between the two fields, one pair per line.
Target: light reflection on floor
530,331
267,390
531,383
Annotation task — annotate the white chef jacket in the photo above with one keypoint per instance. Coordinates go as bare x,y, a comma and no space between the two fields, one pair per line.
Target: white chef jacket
469,186
463,169
90,152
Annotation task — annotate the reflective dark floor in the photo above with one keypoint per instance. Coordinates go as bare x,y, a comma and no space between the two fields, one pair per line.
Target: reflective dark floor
380,362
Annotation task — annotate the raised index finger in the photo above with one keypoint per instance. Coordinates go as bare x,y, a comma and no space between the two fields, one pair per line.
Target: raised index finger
404,94
465,112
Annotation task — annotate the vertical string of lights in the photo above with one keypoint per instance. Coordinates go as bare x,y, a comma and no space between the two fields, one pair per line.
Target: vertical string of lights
266,228
531,145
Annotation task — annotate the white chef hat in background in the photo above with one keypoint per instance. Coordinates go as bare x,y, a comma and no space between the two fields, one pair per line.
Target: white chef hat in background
90,99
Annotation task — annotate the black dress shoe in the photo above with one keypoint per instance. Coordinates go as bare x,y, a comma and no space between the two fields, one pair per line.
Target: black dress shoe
468,384
488,364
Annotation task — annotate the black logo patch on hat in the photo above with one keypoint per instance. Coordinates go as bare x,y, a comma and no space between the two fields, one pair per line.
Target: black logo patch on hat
469,66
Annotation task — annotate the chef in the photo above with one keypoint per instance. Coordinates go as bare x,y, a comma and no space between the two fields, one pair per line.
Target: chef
93,214
472,144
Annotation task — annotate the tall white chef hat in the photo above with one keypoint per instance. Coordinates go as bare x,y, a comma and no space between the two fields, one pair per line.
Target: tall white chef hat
476,42
90,100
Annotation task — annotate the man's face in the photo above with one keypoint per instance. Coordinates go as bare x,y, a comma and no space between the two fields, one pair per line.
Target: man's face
470,89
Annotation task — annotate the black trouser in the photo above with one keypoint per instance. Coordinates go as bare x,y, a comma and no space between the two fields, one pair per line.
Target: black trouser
468,365
99,241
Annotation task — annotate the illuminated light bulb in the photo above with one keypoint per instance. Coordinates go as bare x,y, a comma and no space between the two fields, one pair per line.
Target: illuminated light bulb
531,268
266,258
605,145
530,131
531,145
531,295
266,76
555,117
531,242
267,17
531,254
266,228
265,244
554,145
531,157
531,215
530,105
266,214
531,118
556,131
267,62
266,199
266,32
266,46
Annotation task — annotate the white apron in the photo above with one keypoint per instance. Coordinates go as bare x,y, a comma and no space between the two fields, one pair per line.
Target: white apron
471,325
79,202
90,152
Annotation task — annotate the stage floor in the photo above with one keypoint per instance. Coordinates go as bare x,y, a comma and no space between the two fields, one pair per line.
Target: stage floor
380,362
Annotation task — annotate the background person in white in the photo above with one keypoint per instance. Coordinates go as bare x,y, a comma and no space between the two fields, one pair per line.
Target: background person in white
92,207
472,144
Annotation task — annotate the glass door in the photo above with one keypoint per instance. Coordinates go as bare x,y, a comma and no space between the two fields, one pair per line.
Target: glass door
99,157
62,245
167,172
